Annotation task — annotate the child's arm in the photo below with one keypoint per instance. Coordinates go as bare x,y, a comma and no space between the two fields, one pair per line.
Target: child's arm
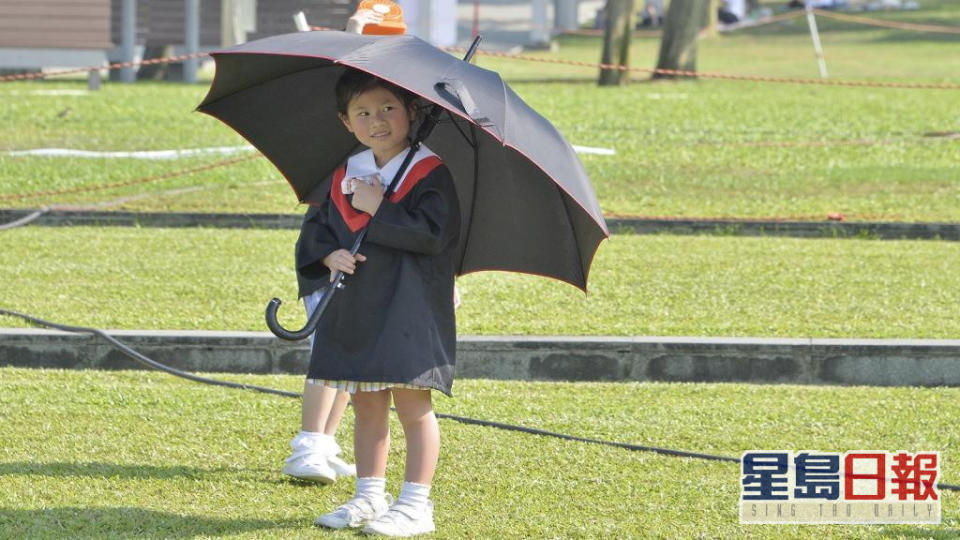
428,226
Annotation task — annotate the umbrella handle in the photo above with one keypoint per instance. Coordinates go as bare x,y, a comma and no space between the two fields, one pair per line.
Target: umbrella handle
290,335
295,335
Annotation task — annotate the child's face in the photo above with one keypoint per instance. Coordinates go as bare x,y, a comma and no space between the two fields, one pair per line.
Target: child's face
380,121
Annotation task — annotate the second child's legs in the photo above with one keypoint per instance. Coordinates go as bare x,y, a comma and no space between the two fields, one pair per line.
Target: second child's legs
322,408
315,450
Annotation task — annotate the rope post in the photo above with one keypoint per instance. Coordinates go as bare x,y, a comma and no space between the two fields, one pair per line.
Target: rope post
191,40
128,39
539,30
93,79
815,36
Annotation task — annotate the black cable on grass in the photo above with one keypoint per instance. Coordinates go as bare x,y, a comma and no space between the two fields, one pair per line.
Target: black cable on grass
462,419
125,349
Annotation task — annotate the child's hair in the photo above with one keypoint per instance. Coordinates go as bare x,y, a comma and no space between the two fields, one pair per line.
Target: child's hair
354,82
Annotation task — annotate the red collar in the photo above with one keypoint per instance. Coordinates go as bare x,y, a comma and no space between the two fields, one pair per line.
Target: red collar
356,219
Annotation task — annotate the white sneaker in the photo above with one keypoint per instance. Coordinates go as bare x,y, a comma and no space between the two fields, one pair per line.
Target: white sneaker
340,466
403,520
309,466
355,512
309,460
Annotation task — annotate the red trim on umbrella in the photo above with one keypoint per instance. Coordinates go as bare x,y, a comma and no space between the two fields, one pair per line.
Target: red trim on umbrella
356,220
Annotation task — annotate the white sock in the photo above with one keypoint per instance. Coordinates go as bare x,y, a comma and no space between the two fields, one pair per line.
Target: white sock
414,494
371,487
319,440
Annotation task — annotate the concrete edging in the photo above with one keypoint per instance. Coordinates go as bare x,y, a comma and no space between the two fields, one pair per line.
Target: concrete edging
800,229
782,361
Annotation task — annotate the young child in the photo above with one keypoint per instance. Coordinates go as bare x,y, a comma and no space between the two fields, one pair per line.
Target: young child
390,331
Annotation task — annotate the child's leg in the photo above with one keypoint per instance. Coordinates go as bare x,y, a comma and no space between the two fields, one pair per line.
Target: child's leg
415,410
318,404
371,442
413,512
371,433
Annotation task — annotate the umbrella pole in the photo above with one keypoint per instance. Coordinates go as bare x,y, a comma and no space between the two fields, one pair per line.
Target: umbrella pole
271,312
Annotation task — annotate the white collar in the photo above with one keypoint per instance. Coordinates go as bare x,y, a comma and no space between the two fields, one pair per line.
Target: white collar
364,164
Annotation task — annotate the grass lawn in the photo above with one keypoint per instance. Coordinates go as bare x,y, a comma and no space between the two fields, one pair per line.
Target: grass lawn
93,454
142,455
640,285
693,149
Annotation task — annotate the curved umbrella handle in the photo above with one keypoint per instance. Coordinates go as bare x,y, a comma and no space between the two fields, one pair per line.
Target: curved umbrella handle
290,335
295,335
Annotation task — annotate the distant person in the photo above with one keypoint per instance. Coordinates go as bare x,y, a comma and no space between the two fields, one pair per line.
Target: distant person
652,14
725,15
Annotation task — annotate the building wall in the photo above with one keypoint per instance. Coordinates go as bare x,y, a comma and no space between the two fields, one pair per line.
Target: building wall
161,22
276,16
64,24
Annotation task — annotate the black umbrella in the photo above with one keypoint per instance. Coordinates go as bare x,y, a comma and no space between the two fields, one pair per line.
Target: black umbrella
526,201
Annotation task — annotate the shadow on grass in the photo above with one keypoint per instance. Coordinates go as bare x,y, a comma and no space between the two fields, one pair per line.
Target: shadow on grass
121,522
113,470
107,470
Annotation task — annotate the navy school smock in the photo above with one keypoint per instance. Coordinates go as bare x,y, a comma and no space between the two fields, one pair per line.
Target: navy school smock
393,321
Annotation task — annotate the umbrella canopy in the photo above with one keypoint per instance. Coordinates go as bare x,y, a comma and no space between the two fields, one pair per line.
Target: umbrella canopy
526,201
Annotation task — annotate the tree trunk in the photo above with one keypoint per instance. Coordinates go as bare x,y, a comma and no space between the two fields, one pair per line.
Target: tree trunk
678,46
710,18
616,41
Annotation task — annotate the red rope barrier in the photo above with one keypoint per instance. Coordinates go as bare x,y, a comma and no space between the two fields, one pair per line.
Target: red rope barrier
144,180
725,76
592,65
118,65
888,24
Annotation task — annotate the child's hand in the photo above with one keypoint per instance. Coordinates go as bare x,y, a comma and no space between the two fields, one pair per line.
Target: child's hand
362,18
367,197
342,261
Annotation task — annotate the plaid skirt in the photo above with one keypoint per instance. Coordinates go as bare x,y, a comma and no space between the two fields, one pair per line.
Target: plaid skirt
353,387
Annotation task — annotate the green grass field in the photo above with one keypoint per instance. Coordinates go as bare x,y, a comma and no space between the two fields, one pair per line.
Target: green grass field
142,455
640,285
